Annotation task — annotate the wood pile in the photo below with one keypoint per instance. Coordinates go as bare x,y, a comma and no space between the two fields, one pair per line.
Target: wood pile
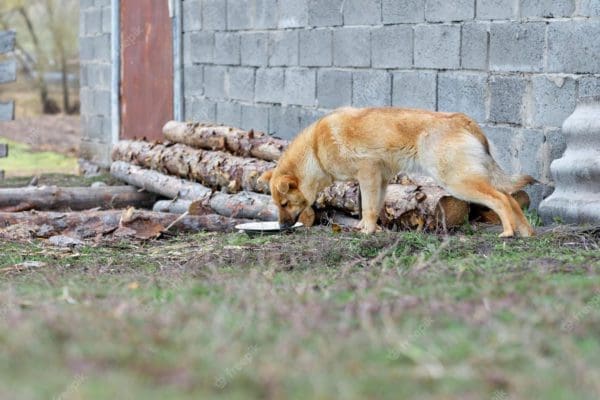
205,178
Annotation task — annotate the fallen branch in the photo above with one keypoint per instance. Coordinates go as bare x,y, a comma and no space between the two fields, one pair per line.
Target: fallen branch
236,141
73,198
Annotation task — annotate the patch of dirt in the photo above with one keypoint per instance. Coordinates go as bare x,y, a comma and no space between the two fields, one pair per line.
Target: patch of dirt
58,133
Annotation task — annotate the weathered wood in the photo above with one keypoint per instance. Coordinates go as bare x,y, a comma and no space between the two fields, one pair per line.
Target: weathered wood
185,194
8,71
156,182
96,224
225,138
7,41
73,198
407,206
215,169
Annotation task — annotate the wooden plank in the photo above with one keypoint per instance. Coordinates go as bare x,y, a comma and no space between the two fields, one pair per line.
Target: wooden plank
3,150
7,41
8,71
7,111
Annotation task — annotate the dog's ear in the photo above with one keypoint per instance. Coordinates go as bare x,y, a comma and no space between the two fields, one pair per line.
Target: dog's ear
286,183
266,177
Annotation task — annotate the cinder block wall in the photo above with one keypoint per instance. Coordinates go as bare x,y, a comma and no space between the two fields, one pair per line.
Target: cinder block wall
516,66
95,57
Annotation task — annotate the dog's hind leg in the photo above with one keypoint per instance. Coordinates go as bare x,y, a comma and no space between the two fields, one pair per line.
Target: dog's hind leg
523,226
481,191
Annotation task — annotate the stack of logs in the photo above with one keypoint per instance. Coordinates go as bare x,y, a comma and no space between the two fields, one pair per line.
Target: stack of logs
206,169
205,178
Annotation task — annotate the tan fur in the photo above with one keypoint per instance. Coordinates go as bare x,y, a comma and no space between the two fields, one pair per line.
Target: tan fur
372,145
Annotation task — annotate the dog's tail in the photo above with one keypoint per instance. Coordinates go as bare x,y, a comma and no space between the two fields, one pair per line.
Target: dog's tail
508,183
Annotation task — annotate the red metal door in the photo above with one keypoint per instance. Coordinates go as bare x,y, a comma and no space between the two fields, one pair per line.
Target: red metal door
146,68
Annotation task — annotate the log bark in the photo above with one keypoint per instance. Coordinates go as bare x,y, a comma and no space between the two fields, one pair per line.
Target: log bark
215,169
236,141
97,224
407,206
73,198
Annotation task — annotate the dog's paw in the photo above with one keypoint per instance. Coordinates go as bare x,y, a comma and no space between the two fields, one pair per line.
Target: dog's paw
368,227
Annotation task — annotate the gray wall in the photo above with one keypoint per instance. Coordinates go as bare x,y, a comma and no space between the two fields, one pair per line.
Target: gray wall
95,57
517,67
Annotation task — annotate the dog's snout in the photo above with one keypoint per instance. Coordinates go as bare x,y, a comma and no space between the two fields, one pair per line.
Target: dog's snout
286,224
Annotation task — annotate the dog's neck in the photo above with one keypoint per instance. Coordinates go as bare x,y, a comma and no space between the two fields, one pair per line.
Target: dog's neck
315,178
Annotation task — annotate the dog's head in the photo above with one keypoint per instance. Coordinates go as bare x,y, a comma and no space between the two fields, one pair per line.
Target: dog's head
286,196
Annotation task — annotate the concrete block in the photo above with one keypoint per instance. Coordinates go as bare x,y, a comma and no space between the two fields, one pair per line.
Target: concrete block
86,49
192,15
293,13
214,15
371,88
102,102
255,117
362,12
589,8
315,47
92,125
463,92
556,143
193,80
573,46
106,20
402,11
102,3
85,4
547,8
284,122
229,113
517,46
92,21
529,145
334,88
474,45
325,12
200,110
269,85
506,102
309,116
283,48
415,89
589,86
554,99
437,46
447,11
497,9
227,48
102,48
239,15
198,47
239,83
97,76
352,47
255,48
392,47
300,86
86,98
266,14
214,82
502,146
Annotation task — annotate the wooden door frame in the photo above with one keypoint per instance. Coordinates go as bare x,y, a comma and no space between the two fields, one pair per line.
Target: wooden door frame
176,14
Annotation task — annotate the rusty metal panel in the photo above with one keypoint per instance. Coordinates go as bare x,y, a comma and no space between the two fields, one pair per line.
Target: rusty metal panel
146,68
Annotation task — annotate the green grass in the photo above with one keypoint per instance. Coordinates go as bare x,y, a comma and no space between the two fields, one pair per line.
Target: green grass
313,314
24,162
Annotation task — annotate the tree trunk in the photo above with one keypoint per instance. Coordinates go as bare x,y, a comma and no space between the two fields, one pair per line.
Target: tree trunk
74,198
96,224
236,141
406,206
215,169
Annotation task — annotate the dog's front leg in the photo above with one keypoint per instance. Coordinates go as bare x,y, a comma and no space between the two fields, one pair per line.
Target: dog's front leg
372,192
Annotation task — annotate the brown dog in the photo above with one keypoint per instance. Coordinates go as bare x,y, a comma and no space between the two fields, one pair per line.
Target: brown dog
372,145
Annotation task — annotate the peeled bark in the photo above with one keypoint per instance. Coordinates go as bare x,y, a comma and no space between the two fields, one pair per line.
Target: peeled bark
215,169
405,207
73,198
97,224
236,141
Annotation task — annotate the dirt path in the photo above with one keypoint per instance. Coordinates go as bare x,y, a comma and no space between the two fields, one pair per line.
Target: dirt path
59,133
